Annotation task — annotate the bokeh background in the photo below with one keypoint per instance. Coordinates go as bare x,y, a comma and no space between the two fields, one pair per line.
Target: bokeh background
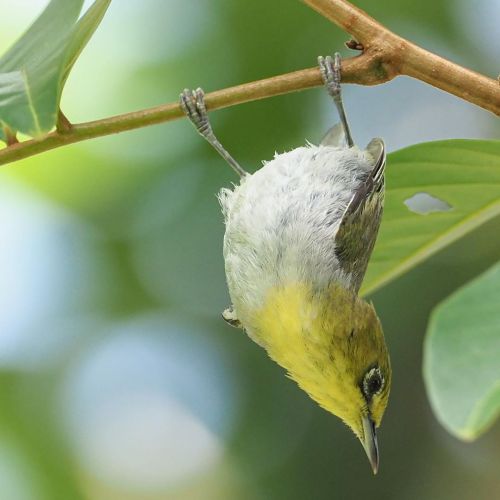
118,378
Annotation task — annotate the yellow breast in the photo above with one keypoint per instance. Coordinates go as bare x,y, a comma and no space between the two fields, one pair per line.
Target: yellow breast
305,331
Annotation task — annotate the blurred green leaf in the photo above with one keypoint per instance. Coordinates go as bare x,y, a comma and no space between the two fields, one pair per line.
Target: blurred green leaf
464,174
33,71
461,357
30,72
82,33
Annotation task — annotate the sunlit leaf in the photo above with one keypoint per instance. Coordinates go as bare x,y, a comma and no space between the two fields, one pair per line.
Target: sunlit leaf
30,71
33,71
462,357
461,180
83,31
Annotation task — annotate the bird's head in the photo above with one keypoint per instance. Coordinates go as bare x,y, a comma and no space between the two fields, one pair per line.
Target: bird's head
331,343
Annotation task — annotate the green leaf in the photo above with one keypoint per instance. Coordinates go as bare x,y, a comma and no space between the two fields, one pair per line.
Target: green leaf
83,31
30,71
34,70
463,175
462,357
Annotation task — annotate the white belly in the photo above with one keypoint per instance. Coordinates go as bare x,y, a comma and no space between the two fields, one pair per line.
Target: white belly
281,222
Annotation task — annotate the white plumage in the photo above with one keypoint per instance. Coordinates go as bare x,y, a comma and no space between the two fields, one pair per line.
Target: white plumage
282,220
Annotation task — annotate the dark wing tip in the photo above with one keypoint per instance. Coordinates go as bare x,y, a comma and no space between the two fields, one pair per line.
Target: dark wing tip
376,148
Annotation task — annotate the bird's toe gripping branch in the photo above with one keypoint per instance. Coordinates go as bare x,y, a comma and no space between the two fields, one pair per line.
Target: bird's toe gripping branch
193,104
330,69
330,72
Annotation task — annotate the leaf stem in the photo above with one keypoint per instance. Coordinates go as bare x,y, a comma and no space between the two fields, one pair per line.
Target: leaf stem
63,125
10,137
385,56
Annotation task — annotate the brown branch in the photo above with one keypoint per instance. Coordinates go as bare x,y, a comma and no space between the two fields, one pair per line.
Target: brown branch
385,56
398,56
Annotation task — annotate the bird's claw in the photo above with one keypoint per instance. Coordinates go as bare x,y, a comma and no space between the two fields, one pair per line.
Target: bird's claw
330,72
193,104
330,68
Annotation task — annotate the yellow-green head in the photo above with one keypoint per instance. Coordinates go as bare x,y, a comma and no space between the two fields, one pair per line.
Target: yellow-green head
331,343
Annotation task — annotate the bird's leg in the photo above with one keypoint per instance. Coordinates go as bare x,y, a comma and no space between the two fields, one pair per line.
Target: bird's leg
330,71
193,104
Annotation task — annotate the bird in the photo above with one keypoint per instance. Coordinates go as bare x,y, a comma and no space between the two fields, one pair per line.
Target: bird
299,233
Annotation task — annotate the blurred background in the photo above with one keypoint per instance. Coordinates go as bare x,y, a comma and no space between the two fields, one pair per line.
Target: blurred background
118,378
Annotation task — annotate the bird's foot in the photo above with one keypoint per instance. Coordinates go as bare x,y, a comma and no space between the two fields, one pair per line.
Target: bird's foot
330,68
193,104
330,72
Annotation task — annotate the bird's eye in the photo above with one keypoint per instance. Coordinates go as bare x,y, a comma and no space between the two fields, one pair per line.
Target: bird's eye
373,382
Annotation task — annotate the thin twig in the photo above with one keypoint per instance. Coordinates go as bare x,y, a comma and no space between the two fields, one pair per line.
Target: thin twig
385,56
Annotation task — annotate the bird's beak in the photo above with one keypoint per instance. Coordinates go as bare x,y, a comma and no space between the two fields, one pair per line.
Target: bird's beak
370,442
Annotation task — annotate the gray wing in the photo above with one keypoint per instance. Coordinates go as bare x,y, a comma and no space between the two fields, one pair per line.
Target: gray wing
358,229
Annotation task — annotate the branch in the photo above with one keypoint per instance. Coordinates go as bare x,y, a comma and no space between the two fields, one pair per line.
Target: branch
385,56
396,56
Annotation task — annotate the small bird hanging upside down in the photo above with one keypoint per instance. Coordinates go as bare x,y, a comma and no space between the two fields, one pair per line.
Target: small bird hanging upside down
299,234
